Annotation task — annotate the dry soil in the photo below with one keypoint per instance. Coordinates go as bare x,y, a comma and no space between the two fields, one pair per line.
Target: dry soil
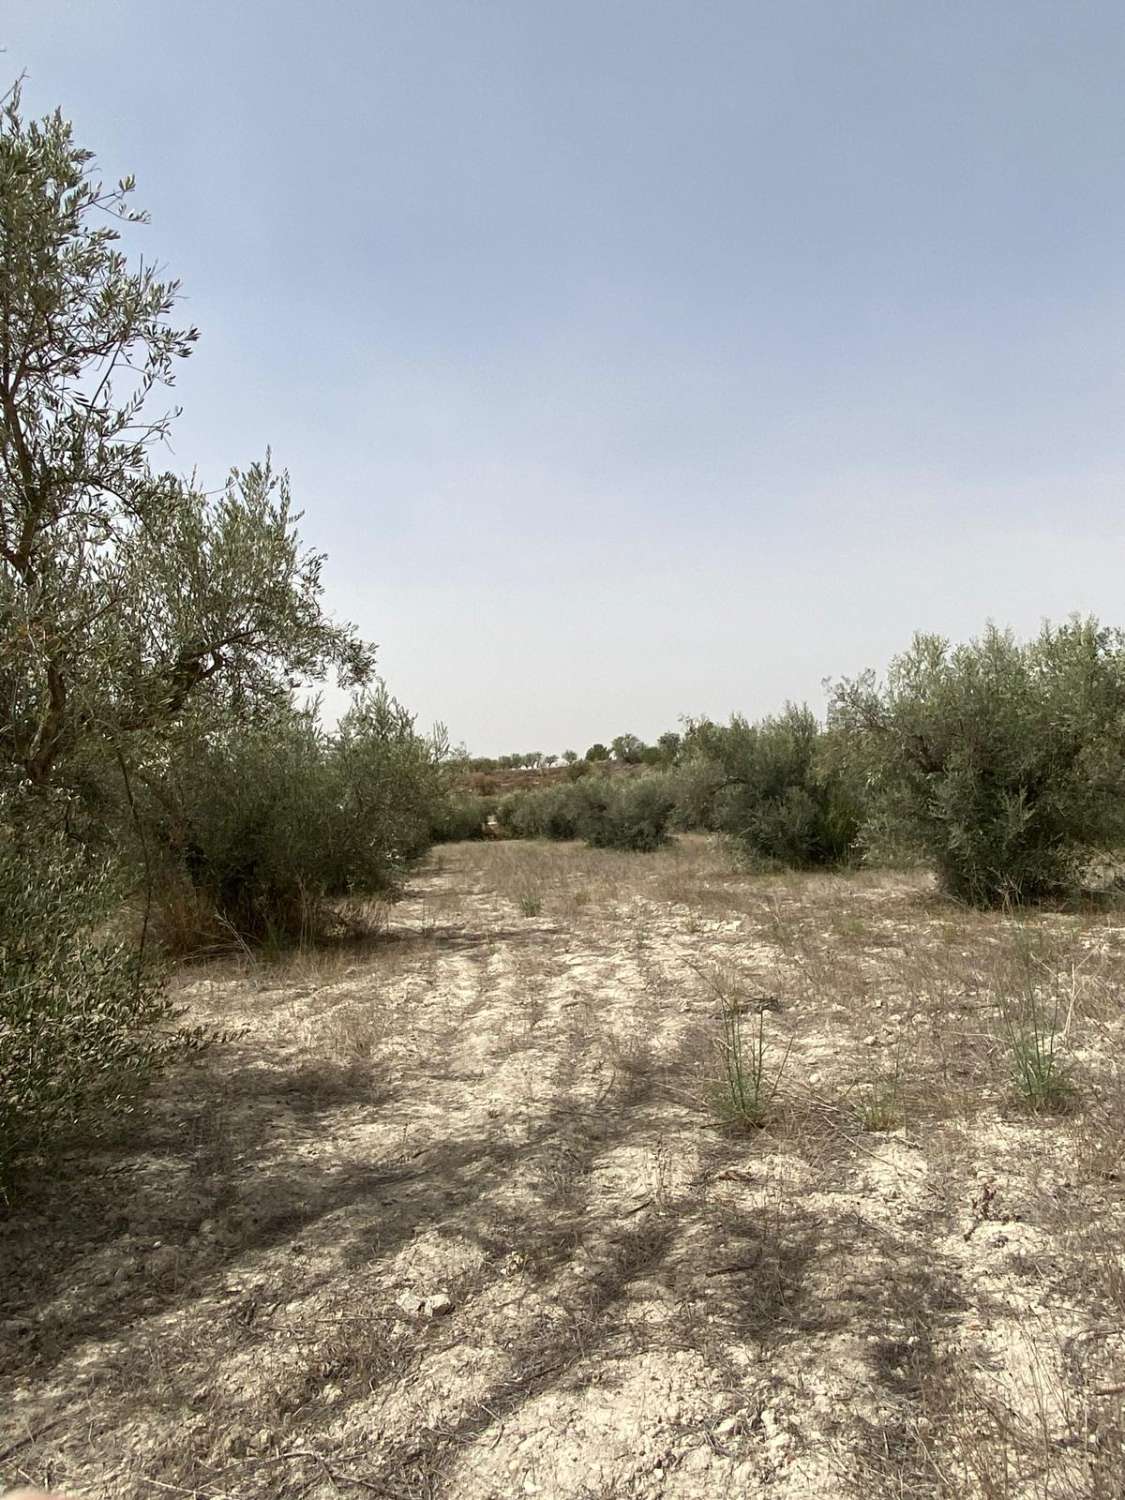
462,1211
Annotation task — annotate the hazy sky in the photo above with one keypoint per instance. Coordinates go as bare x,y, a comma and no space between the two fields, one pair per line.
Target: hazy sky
639,359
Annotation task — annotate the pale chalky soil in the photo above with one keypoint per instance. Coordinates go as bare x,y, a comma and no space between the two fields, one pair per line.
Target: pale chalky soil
454,1215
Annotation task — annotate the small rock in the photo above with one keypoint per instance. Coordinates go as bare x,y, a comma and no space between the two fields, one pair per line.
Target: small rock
870,1041
726,1426
437,1307
162,1262
814,1079
410,1303
776,1435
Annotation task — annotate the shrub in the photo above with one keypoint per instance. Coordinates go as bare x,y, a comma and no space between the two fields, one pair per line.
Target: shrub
696,786
748,1086
1002,761
1040,1070
770,791
608,814
631,815
547,813
461,817
507,810
1034,998
84,1020
274,823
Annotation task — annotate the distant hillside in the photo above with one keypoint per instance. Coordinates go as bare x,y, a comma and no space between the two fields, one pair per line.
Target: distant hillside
528,779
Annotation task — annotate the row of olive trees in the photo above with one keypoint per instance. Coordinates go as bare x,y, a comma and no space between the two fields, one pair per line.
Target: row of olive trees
607,813
520,760
151,640
625,749
1000,762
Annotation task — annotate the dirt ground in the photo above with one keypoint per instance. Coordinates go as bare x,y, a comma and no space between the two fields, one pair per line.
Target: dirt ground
460,1212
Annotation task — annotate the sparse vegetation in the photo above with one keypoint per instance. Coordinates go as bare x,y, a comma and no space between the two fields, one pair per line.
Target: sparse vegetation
751,1072
615,1223
449,1118
1041,1075
750,1078
1033,1029
880,1103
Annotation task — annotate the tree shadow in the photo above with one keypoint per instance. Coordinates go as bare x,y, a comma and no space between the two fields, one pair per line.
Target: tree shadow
162,1256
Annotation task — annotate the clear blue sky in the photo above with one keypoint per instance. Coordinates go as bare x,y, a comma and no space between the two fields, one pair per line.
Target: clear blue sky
638,359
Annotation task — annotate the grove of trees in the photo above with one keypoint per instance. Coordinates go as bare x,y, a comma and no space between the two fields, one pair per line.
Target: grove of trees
999,762
165,782
152,640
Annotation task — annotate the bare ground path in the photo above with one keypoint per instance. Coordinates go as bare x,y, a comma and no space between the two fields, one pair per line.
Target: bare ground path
452,1215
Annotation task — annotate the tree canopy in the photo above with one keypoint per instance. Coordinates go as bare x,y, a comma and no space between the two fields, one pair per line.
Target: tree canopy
124,590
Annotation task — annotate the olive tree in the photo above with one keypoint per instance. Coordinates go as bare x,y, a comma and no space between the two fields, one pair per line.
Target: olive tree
1001,760
628,749
124,591
269,823
767,786
130,602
